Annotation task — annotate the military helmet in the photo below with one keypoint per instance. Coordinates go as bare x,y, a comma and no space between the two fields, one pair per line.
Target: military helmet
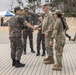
57,11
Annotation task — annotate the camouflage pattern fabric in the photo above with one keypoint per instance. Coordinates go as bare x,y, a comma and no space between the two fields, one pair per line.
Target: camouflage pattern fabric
15,38
59,35
28,32
47,27
16,48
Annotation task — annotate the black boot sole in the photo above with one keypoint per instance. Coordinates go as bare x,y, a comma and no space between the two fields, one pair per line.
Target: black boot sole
19,66
38,55
13,64
43,54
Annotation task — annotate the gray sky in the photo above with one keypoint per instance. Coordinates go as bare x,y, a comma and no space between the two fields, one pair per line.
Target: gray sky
5,4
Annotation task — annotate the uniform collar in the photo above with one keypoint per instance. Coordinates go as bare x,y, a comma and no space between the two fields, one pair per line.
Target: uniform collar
47,13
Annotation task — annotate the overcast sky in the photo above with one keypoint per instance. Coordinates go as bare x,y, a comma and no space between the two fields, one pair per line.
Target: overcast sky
5,4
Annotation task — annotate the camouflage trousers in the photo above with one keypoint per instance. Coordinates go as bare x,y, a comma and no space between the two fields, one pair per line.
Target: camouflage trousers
16,48
27,34
40,38
49,48
59,52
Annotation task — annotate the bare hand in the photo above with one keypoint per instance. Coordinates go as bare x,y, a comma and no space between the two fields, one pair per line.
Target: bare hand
35,28
39,28
46,35
51,43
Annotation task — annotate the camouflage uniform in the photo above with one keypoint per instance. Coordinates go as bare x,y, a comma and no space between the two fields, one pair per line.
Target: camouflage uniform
15,38
59,35
47,27
28,32
40,38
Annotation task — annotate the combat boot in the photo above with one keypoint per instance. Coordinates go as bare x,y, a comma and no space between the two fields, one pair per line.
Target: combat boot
13,62
43,54
18,64
38,53
46,59
50,60
57,67
24,51
32,51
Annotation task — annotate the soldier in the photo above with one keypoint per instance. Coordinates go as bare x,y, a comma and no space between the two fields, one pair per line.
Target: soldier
47,28
15,29
59,36
40,38
28,32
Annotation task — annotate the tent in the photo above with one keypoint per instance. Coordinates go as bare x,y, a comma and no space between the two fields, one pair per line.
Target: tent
6,14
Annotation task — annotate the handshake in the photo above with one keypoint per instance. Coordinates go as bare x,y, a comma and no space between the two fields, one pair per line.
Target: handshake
32,27
37,28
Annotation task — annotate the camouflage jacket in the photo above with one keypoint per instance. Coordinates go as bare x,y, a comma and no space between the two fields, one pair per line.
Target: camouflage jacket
47,24
58,32
15,26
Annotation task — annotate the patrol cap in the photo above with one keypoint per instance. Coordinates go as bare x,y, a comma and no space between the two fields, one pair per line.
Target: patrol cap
45,4
26,9
38,15
17,8
58,11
